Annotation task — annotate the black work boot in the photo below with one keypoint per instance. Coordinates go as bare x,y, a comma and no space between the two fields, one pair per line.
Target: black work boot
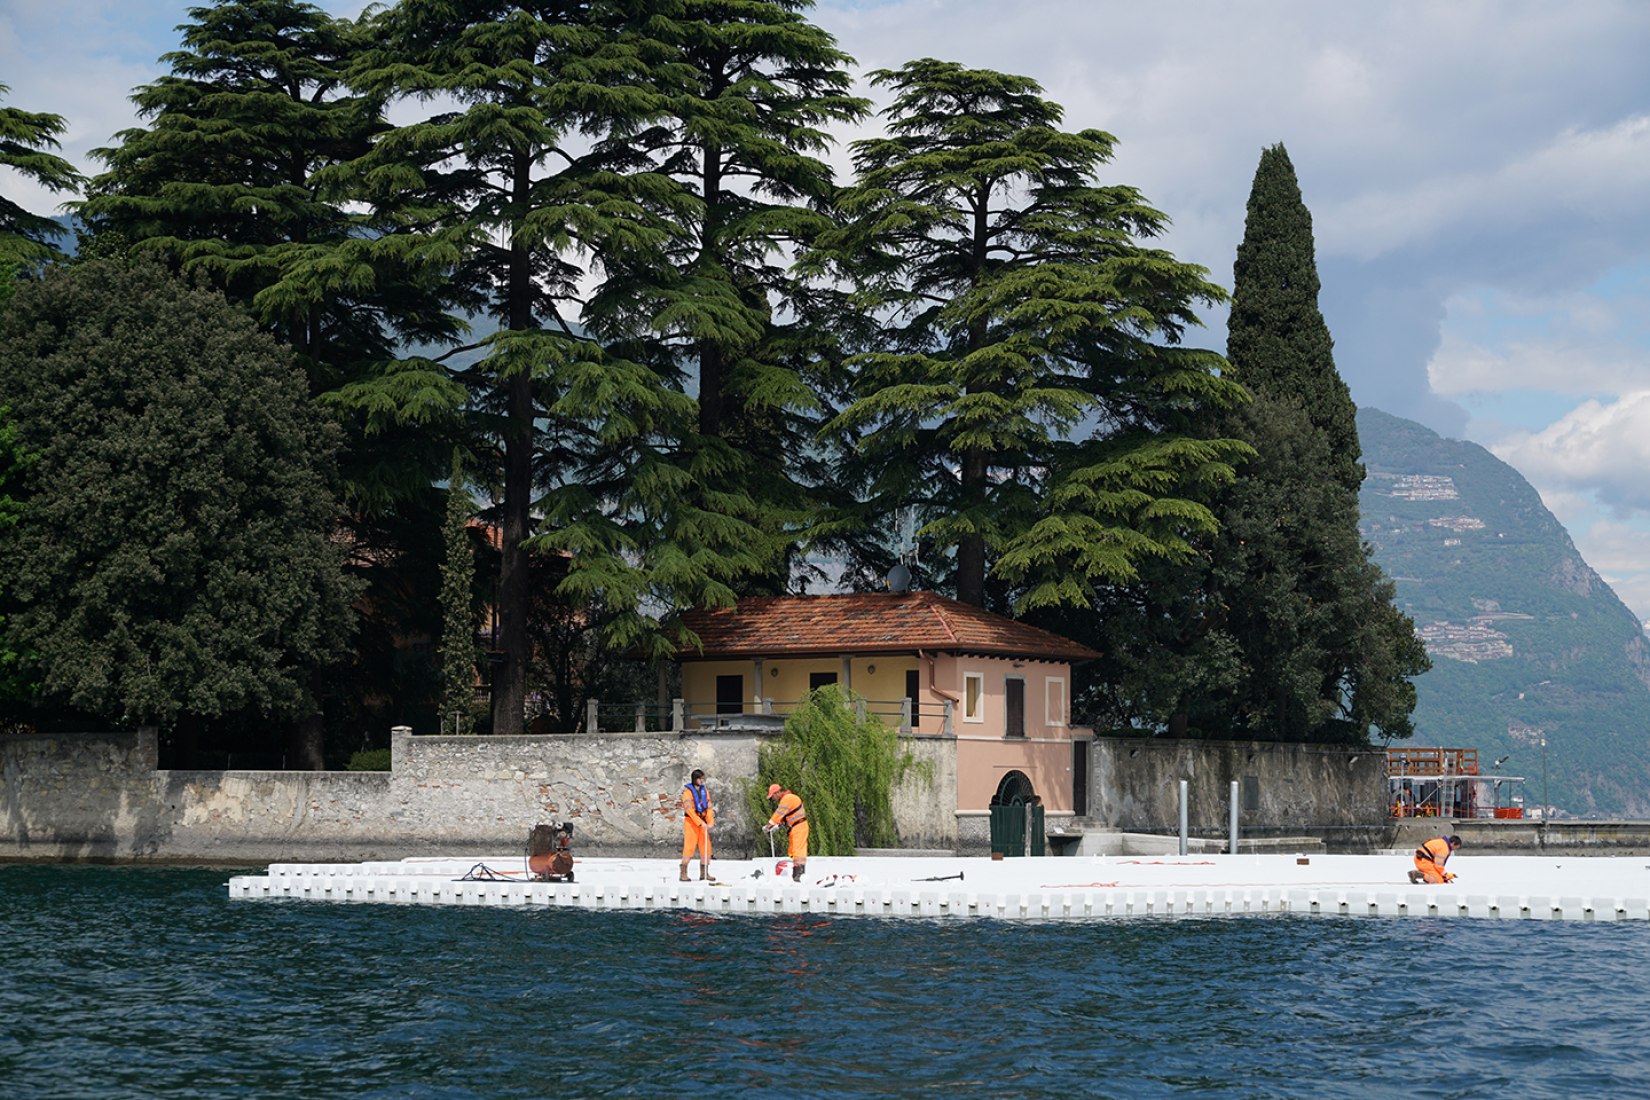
683,877
704,871
796,872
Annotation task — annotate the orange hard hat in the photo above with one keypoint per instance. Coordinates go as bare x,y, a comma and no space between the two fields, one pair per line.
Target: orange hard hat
773,790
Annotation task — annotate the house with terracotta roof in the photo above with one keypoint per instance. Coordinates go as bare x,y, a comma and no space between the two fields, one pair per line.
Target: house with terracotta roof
988,697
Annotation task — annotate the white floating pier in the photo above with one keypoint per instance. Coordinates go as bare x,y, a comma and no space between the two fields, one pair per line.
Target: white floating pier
1493,887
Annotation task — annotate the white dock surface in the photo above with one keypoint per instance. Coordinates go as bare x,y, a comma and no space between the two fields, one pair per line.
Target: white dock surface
1602,888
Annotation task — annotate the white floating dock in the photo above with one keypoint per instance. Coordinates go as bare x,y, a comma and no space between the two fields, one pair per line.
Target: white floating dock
1494,887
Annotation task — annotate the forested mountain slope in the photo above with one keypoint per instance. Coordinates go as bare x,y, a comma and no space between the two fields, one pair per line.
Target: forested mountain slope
1527,641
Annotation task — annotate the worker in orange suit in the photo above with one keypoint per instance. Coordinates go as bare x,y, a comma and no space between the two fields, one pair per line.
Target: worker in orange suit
698,815
1431,857
793,816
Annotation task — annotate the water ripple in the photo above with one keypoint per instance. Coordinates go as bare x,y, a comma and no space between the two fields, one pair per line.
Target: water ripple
124,982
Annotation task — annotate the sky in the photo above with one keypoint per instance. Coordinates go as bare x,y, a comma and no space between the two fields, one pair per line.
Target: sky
1478,174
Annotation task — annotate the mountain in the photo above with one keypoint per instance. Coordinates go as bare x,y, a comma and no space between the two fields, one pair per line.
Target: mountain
1527,641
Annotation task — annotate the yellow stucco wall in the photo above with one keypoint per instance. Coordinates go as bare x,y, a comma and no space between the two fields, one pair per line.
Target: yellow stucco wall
880,680
984,752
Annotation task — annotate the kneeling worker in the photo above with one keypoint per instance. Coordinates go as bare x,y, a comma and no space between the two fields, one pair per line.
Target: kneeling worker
1431,857
698,815
790,814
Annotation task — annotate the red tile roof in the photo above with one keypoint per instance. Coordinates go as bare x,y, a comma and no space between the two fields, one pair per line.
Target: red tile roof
876,622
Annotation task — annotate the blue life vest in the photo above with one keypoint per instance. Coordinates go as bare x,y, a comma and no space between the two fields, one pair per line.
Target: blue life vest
701,798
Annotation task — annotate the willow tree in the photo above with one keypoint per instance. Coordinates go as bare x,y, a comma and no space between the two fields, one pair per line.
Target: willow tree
1025,369
26,141
845,764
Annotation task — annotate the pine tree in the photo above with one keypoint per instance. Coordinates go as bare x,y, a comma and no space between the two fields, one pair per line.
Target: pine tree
25,138
501,193
1276,340
1022,367
1325,656
228,180
708,499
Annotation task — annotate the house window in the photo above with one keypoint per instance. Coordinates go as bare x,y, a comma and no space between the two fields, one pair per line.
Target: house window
973,697
1056,712
1014,706
817,680
912,682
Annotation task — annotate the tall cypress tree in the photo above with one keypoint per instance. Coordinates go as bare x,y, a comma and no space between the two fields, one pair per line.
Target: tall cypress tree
26,138
1276,340
1324,653
458,627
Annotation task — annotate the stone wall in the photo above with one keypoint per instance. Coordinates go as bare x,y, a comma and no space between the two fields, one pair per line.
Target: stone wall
1305,790
99,796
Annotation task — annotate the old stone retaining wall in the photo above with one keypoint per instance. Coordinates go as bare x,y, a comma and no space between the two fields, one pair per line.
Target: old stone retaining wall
100,796
1337,794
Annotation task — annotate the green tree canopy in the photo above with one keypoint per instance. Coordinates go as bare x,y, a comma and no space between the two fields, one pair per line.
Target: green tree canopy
1276,340
502,192
175,561
228,180
26,138
691,501
1325,655
1023,359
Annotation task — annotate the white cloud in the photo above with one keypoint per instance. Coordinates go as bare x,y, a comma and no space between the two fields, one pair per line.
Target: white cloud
1601,446
1554,365
1621,554
1590,175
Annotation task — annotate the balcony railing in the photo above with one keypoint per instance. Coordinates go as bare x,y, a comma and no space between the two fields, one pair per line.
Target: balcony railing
684,715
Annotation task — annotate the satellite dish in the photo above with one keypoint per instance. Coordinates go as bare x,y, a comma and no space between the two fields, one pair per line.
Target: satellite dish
899,579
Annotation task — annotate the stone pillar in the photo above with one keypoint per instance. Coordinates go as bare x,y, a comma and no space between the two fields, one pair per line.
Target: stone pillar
400,746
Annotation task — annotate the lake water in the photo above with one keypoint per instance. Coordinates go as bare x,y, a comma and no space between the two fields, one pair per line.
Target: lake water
137,982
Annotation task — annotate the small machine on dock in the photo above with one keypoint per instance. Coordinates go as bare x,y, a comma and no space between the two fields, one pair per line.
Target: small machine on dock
550,853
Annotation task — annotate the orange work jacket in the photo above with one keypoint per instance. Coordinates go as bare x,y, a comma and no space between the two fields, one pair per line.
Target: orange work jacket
1437,849
690,809
790,811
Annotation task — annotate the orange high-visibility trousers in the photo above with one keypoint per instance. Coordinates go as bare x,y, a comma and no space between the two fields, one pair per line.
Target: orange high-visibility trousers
1432,869
797,843
695,837
1431,872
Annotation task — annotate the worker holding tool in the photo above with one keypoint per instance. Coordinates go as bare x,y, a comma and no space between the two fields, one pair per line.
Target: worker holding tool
1431,857
698,815
790,814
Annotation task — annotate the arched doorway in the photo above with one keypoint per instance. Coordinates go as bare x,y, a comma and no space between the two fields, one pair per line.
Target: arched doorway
1016,815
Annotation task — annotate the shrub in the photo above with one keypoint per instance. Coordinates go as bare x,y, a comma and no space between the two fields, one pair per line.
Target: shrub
372,760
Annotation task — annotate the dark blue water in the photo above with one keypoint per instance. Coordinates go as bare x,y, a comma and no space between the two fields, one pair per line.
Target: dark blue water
127,982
